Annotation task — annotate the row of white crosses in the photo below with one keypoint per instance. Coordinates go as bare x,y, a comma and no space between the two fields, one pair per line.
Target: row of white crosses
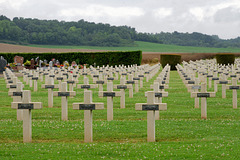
25,105
49,84
15,89
153,106
159,86
203,94
22,102
209,69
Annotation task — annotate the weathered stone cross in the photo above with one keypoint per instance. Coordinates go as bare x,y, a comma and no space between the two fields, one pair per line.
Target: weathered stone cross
109,94
122,88
50,86
234,87
88,106
64,94
150,107
26,105
17,97
203,95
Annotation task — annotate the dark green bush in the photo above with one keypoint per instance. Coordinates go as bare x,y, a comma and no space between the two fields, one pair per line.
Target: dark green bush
100,58
171,59
225,58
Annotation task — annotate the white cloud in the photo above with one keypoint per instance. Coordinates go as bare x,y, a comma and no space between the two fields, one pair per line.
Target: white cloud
97,11
15,4
162,12
197,12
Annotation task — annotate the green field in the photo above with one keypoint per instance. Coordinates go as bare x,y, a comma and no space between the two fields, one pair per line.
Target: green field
150,47
180,132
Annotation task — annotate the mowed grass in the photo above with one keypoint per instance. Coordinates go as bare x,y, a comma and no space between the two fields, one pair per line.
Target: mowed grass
149,47
180,132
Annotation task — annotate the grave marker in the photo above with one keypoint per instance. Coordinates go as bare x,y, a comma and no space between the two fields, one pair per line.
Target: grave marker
50,86
88,106
122,88
26,105
224,83
203,95
234,87
131,82
110,94
158,97
17,97
86,85
64,103
150,107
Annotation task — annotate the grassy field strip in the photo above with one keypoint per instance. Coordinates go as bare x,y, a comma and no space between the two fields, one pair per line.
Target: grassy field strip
148,47
180,132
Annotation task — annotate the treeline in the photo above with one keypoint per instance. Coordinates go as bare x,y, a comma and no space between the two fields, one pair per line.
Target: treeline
54,32
189,39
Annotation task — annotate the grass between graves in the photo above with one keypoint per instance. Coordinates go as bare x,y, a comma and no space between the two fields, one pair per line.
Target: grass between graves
149,47
180,132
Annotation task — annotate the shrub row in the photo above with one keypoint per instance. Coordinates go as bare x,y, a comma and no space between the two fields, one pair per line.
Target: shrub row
225,58
100,58
171,59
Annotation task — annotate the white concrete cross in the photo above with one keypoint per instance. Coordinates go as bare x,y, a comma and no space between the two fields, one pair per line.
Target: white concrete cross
59,78
234,87
26,105
195,87
71,82
50,86
158,97
12,84
86,84
141,76
100,82
215,79
64,103
223,81
136,80
30,78
131,82
122,88
17,97
35,79
110,94
88,106
150,107
203,95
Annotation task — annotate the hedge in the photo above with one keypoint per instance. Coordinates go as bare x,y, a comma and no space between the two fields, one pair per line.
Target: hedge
225,58
100,58
171,59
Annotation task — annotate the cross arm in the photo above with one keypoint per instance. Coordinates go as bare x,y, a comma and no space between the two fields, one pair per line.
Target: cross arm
109,94
150,107
91,106
159,94
87,86
232,87
200,95
64,94
31,105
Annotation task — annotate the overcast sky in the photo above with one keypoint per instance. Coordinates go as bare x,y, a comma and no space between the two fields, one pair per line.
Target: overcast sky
213,17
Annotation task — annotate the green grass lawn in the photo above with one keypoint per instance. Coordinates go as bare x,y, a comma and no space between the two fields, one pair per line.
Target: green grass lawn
180,132
150,47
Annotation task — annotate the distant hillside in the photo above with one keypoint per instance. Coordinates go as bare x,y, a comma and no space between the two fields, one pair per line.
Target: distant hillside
54,32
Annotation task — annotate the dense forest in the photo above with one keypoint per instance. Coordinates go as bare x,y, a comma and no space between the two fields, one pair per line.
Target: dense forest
54,32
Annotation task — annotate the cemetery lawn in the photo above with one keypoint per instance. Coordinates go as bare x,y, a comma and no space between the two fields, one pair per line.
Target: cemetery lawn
149,47
180,132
